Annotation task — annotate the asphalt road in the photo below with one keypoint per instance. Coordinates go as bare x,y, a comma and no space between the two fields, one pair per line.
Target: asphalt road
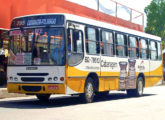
117,106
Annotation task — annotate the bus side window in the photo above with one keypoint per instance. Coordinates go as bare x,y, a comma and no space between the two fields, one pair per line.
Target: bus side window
121,45
92,41
107,43
75,46
133,47
159,50
75,41
153,50
143,49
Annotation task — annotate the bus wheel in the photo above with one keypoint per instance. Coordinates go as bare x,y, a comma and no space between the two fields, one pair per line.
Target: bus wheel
43,97
89,91
139,88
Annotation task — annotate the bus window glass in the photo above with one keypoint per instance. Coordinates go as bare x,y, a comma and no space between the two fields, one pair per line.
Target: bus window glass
132,47
153,51
91,41
143,48
121,45
75,41
75,46
108,46
41,46
159,50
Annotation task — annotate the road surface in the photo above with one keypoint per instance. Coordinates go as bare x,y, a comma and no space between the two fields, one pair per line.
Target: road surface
117,106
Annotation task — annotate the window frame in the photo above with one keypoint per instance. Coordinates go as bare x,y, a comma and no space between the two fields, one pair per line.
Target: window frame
97,35
150,50
137,47
159,59
82,37
102,43
125,44
147,49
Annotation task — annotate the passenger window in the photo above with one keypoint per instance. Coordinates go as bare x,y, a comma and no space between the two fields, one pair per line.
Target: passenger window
121,47
132,47
159,50
143,49
153,50
75,46
92,42
75,41
107,43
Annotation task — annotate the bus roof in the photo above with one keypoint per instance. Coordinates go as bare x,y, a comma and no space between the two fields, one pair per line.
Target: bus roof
110,26
79,19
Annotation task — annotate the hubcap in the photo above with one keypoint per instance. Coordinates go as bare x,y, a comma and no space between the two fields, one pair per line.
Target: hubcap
140,87
89,90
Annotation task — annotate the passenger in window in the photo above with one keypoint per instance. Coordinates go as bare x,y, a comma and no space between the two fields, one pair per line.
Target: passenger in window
69,43
35,51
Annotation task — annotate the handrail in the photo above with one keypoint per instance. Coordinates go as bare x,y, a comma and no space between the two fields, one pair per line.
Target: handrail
132,15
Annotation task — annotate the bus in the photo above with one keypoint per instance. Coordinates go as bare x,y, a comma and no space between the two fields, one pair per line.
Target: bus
4,45
73,55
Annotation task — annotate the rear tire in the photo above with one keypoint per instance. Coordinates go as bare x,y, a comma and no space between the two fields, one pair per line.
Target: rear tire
139,88
43,97
89,91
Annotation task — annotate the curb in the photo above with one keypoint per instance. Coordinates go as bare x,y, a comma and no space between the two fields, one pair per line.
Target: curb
4,94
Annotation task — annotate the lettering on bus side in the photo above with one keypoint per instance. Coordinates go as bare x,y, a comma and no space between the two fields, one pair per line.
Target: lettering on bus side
92,60
112,65
104,63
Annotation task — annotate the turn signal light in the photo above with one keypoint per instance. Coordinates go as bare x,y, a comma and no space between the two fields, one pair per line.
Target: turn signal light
62,78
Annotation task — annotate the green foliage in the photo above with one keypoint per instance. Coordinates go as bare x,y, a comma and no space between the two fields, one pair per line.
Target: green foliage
156,18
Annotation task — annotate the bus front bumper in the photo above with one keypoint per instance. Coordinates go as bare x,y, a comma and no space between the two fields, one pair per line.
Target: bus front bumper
36,88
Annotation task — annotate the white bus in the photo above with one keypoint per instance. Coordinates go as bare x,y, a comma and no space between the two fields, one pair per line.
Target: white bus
69,54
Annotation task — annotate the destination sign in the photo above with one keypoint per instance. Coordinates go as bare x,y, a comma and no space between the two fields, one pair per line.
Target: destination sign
40,20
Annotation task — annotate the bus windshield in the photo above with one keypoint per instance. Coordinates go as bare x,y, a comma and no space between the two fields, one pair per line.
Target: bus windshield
39,46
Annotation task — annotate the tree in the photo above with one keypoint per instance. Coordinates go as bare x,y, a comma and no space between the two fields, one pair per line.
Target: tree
156,18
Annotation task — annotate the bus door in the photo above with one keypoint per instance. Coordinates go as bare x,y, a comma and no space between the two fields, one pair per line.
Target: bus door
155,62
75,56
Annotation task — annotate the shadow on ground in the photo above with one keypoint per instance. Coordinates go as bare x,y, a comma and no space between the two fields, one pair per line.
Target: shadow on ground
64,101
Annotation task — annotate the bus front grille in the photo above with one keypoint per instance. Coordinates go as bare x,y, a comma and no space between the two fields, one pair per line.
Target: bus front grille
32,79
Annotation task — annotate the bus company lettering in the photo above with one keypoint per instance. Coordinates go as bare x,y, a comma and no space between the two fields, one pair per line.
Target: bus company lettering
141,66
41,22
108,64
92,60
104,63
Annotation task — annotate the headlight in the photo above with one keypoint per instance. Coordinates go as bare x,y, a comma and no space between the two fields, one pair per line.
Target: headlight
55,78
49,79
11,78
16,79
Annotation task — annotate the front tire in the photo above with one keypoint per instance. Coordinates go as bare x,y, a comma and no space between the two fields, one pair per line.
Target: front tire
139,88
43,97
89,91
